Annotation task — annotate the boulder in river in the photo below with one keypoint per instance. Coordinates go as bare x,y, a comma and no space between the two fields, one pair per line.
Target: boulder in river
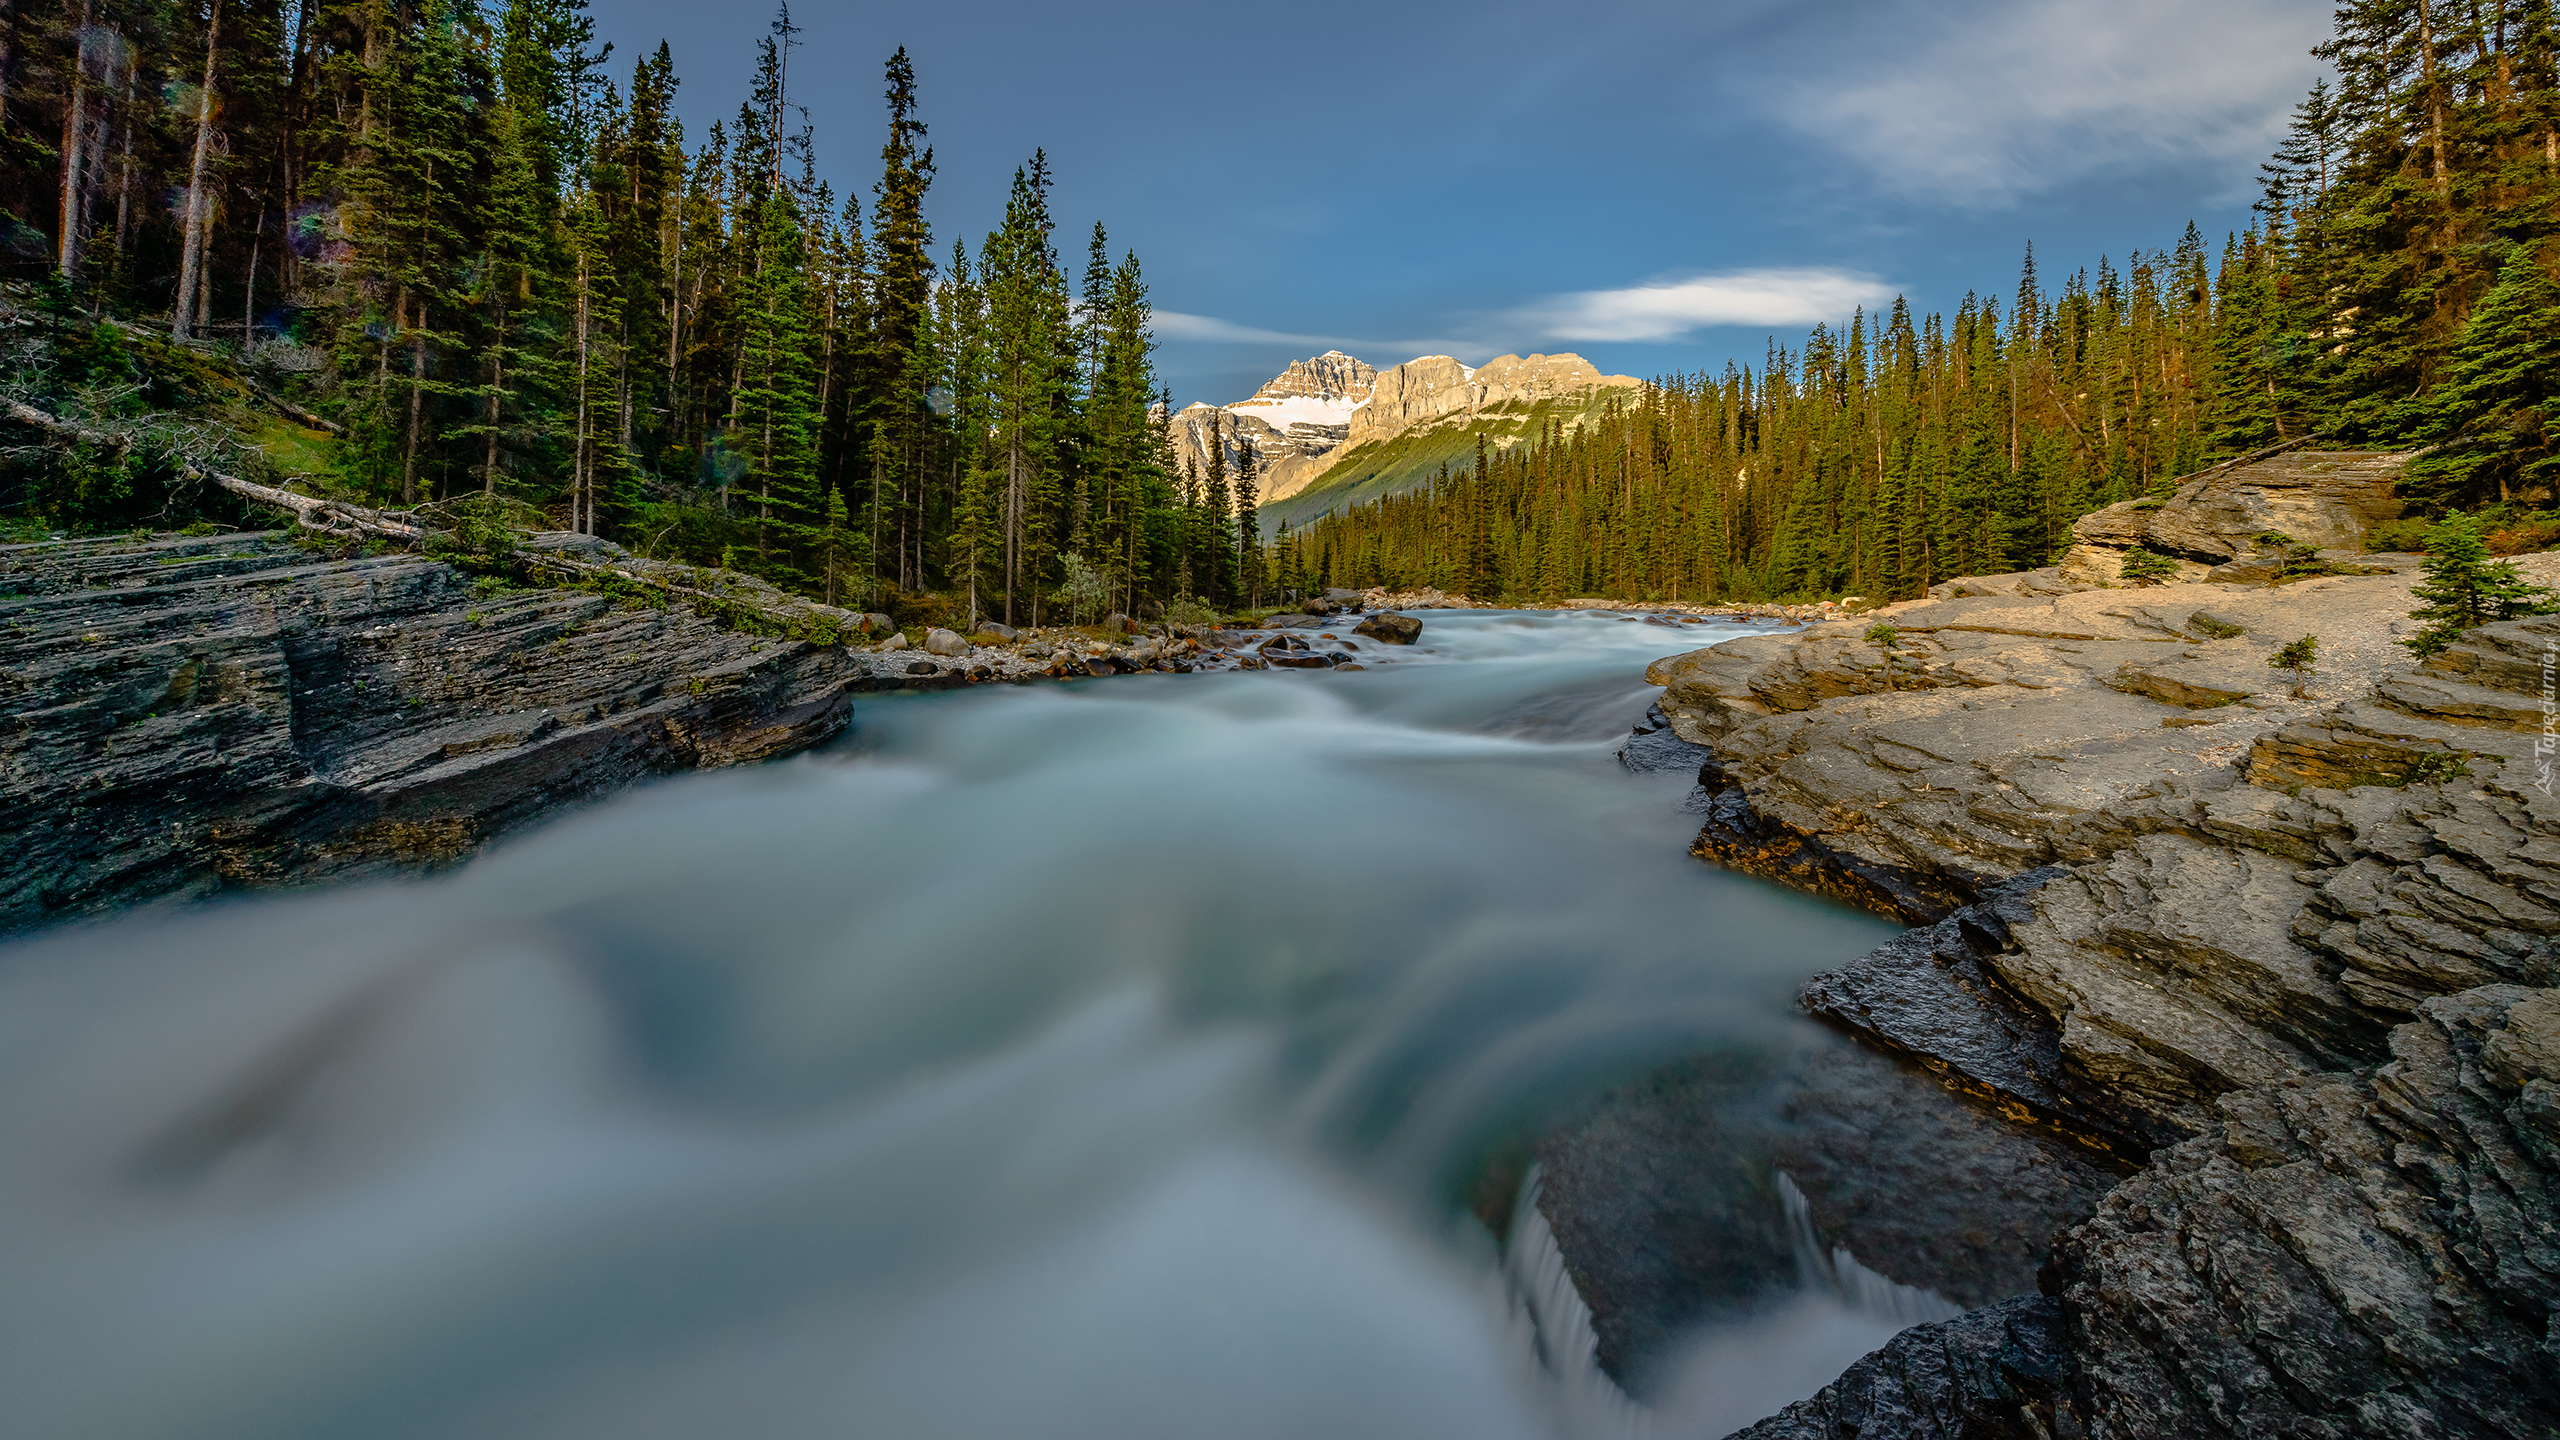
1300,659
999,630
896,641
938,641
1391,628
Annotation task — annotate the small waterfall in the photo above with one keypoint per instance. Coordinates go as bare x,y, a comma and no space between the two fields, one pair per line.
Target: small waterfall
1862,1289
1556,1328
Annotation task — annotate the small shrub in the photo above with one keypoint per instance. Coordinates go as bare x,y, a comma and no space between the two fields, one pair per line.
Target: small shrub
1085,593
2523,537
2397,535
2143,567
2213,629
2298,658
1188,611
2275,540
2149,504
2303,562
2428,769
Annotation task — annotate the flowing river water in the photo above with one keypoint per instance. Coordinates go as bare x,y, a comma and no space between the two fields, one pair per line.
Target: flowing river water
1108,1059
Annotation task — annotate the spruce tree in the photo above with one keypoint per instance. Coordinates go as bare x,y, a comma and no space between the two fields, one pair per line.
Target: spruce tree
2465,589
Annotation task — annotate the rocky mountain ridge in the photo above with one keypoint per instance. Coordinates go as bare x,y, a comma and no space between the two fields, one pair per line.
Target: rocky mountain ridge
1331,411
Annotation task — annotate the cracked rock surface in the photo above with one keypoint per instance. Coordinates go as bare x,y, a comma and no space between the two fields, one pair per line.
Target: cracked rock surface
181,715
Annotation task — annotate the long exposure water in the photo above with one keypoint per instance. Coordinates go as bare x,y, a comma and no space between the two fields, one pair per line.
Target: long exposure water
1108,1059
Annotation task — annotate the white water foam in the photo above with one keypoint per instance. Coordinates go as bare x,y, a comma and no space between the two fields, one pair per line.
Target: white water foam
1084,1060
1863,1290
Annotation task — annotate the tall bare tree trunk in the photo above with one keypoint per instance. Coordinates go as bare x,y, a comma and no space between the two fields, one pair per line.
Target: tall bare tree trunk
75,135
8,53
582,465
497,379
2435,97
417,402
124,180
249,306
199,198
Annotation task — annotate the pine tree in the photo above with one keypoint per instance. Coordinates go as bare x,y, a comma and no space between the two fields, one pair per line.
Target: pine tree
2464,589
2491,421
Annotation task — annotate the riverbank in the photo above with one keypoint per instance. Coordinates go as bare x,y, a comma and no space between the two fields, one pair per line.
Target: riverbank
187,714
2288,942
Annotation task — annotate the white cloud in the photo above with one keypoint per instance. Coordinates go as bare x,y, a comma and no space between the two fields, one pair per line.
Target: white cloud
1668,309
1174,325
2012,98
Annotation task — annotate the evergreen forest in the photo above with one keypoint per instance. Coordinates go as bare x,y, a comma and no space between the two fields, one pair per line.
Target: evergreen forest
2399,287
482,262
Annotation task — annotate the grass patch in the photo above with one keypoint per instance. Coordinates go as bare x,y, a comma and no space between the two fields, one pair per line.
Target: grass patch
290,448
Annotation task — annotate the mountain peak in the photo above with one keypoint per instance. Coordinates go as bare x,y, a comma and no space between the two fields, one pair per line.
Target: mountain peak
1329,376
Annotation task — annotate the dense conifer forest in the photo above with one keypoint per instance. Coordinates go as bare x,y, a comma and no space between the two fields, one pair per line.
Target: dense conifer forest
483,252
2400,287
480,259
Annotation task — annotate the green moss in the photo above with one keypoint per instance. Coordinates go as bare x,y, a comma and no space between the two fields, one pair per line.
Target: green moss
291,449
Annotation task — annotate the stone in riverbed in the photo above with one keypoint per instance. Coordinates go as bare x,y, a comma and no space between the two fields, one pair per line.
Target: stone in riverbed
938,641
1300,659
896,642
1391,628
999,630
1997,1373
1654,749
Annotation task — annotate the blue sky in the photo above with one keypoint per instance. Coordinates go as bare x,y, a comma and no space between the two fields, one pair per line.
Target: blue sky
1655,186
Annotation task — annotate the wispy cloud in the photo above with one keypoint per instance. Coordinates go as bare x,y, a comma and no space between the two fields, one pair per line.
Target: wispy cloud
2012,98
1670,308
1208,329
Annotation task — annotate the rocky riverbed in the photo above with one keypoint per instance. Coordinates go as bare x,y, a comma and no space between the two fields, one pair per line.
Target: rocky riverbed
2286,943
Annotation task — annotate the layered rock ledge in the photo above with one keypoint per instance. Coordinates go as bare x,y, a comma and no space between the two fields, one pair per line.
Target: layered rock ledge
2290,943
184,715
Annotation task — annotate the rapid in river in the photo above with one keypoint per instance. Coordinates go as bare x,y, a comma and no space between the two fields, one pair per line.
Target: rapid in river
1109,1059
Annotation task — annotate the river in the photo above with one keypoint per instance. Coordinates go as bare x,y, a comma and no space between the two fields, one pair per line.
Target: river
1107,1059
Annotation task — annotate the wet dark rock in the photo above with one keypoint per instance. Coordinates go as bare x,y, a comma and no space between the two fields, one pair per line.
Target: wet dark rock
1926,1187
1996,1373
1652,748
1928,994
1663,1197
1300,659
180,716
922,667
1390,628
1279,643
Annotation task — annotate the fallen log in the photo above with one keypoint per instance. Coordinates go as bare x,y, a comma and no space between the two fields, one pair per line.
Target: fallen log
328,517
